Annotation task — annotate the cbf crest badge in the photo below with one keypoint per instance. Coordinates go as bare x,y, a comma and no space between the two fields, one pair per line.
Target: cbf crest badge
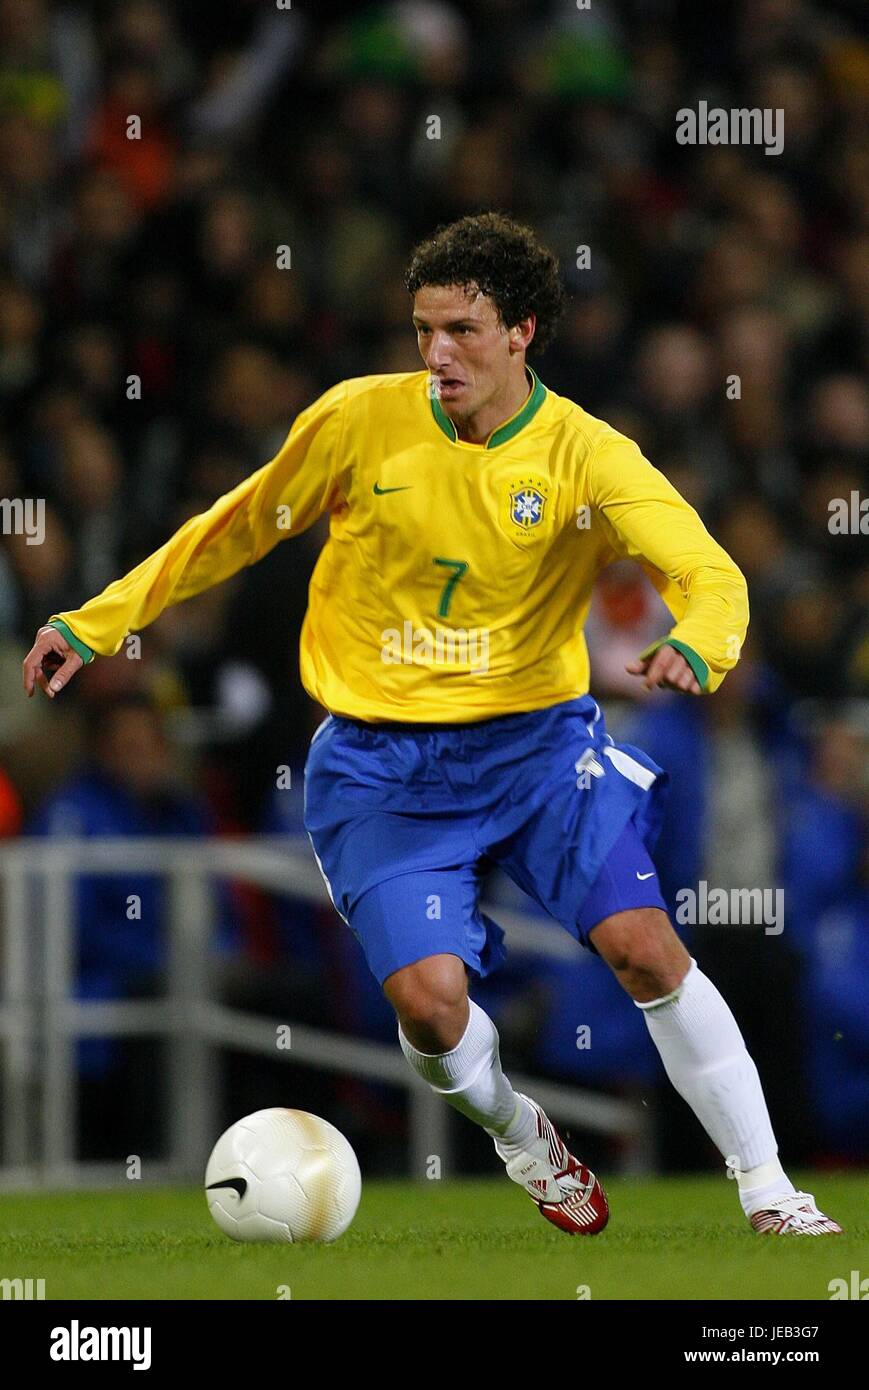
525,506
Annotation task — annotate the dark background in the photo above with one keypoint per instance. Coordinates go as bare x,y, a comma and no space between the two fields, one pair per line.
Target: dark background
157,257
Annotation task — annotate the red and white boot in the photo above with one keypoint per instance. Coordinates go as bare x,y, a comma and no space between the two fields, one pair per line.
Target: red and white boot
567,1193
794,1215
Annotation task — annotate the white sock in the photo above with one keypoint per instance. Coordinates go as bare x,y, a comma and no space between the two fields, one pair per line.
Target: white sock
705,1057
762,1185
471,1080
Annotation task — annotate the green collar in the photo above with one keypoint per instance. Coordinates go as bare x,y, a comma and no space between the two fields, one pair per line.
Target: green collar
510,427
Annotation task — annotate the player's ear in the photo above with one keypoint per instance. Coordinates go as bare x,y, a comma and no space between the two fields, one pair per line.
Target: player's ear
522,333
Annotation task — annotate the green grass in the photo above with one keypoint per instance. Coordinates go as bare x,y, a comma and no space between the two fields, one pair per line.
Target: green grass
667,1238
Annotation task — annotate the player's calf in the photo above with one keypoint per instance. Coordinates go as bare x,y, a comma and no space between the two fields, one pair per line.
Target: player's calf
467,1073
706,1059
430,998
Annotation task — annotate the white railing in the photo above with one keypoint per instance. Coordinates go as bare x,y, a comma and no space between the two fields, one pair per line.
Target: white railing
41,1019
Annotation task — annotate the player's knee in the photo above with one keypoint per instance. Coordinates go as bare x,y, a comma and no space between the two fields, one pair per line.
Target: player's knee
430,999
644,951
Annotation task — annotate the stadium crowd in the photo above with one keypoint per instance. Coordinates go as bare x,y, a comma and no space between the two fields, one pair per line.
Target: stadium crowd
205,213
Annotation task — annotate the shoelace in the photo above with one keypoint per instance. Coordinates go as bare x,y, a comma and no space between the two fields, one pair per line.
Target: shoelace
581,1192
797,1210
801,1206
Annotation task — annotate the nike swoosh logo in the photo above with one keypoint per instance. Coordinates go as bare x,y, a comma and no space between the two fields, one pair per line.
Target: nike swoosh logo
238,1185
379,491
642,876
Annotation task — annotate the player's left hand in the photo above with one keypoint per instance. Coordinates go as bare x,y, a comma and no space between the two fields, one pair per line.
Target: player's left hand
666,668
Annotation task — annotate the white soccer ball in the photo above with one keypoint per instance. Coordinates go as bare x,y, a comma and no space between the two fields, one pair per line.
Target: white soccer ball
283,1175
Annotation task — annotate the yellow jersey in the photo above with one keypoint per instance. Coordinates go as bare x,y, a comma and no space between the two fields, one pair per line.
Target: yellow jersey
456,578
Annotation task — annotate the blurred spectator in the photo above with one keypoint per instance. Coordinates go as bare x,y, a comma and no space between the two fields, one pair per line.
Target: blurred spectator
835,994
10,807
825,822
625,616
125,789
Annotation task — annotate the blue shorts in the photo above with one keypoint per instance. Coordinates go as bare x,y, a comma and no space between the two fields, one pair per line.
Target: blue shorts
405,819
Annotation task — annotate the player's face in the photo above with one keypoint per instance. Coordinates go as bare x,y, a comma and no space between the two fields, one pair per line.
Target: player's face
465,346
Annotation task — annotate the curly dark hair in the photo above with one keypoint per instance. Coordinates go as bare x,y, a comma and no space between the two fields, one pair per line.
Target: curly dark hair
502,259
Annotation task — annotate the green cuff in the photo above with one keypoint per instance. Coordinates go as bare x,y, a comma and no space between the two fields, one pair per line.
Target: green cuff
696,662
77,645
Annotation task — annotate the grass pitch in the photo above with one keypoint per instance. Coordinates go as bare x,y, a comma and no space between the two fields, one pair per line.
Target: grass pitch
667,1239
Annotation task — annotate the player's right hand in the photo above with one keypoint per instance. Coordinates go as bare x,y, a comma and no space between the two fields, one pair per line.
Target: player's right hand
49,641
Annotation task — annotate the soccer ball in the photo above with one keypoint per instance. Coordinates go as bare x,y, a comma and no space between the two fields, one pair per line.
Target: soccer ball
283,1175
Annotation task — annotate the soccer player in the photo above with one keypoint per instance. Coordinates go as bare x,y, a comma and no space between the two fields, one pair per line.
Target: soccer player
470,510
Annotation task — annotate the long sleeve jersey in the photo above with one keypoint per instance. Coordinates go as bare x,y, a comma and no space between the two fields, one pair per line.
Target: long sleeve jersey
456,578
